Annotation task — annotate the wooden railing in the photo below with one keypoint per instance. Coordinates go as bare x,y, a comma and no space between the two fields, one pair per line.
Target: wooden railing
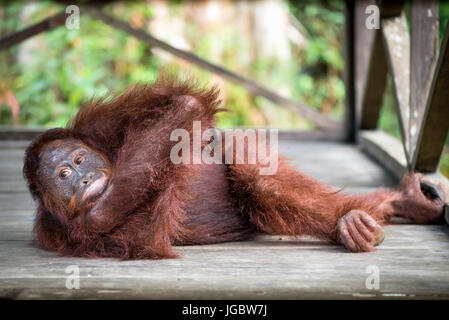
419,68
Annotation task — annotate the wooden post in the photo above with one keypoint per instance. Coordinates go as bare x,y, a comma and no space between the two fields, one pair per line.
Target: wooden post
350,119
424,45
364,40
375,85
435,125
397,46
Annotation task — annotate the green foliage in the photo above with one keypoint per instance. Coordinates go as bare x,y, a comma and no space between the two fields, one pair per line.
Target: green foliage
388,119
444,16
319,75
444,163
72,66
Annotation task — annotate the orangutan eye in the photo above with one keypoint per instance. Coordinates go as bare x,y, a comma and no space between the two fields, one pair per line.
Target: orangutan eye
64,173
78,160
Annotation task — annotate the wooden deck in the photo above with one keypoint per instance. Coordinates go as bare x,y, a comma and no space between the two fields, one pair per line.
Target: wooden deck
413,261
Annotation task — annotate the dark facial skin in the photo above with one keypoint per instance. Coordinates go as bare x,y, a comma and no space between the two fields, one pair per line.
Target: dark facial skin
75,174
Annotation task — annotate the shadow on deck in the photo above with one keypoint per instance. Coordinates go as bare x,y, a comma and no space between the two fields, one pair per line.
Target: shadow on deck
413,261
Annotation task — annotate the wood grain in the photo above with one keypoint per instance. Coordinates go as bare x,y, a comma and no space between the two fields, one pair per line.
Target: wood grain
397,47
435,126
424,29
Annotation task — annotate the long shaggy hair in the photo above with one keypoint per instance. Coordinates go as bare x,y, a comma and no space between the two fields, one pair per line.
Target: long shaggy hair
156,204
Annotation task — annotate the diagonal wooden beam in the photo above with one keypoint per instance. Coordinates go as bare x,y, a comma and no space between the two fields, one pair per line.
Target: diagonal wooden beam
424,29
255,88
45,25
435,126
397,47
376,80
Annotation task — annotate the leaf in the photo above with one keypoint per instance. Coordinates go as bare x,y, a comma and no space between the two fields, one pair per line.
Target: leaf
8,97
13,105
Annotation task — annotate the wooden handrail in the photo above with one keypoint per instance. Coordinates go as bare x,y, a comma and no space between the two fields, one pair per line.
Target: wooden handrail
255,88
44,25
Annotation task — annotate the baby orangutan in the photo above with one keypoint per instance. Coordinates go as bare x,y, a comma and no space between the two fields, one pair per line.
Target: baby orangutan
105,186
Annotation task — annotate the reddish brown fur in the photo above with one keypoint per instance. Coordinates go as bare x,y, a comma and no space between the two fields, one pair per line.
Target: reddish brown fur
156,204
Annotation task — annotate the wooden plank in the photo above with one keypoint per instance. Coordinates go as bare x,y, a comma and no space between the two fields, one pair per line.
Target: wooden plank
311,135
14,186
255,88
13,144
19,133
16,201
339,165
424,29
374,85
397,45
436,116
45,25
269,267
386,150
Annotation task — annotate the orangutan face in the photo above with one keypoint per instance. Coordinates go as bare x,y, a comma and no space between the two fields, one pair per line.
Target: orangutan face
74,174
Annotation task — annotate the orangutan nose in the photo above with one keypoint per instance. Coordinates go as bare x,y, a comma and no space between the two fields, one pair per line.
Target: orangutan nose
86,179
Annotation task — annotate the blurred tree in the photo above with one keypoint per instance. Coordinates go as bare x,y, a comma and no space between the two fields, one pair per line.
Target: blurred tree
58,70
